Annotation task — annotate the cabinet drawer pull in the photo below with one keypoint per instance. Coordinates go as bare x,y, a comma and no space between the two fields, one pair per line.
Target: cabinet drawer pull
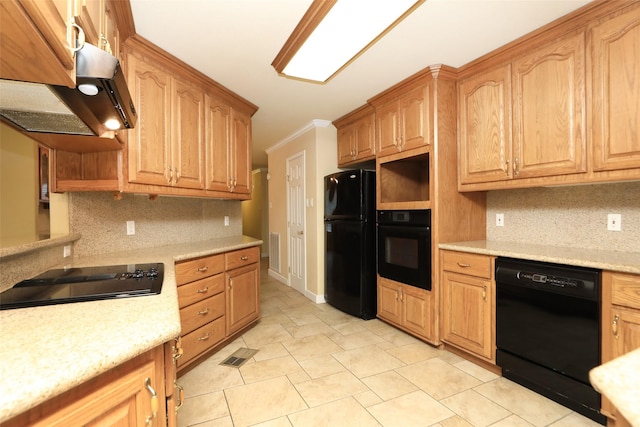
484,293
202,269
244,258
177,349
614,326
154,400
203,312
203,291
180,396
205,337
80,41
463,264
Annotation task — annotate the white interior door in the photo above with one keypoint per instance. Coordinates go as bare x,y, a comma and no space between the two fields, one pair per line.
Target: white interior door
296,221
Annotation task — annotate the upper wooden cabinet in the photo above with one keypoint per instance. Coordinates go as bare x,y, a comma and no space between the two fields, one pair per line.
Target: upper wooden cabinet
615,93
36,37
228,147
356,136
559,106
484,114
549,125
402,122
96,17
192,138
526,118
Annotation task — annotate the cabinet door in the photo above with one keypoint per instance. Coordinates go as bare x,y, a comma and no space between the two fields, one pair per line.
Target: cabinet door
242,297
346,144
414,119
484,111
417,311
625,327
218,137
35,37
241,152
126,401
364,142
548,109
467,313
615,54
149,145
387,129
188,140
389,304
89,14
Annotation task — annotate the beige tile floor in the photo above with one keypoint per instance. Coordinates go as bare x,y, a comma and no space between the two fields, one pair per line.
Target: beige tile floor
317,366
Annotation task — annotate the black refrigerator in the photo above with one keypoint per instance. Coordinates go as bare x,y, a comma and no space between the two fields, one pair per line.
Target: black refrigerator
350,243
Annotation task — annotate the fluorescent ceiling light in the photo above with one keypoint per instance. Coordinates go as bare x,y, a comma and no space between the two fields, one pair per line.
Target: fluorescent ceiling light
333,32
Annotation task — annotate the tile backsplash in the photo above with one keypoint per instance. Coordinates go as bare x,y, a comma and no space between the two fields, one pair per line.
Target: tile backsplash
102,221
567,216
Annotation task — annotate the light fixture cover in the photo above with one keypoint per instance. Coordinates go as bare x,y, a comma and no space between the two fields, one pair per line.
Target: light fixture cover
333,33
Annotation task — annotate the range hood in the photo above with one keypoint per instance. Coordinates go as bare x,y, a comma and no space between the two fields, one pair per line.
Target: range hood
99,104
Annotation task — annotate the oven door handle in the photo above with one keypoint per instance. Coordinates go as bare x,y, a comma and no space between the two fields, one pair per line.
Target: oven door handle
406,229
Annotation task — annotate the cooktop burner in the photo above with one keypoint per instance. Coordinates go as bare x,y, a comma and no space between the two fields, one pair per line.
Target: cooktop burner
85,284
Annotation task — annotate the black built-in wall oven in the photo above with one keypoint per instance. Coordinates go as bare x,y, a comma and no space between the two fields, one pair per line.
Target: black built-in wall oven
404,247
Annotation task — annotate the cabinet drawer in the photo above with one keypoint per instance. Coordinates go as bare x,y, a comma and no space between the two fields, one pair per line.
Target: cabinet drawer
197,291
194,269
469,264
241,257
625,290
202,312
201,340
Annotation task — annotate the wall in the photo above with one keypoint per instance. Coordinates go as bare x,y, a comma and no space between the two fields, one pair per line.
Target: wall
102,221
319,143
255,212
18,186
568,216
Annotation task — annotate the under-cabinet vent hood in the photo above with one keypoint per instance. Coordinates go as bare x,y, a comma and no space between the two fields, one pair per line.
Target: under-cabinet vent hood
100,102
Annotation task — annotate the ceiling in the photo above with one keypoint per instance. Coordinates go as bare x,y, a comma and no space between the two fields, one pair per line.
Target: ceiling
235,41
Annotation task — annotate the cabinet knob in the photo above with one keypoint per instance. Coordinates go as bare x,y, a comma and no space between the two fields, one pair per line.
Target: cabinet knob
244,258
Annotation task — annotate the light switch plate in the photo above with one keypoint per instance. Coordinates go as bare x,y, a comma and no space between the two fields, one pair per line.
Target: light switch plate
614,222
500,220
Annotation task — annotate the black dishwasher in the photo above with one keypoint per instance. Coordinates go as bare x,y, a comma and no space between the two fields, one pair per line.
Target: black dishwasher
548,330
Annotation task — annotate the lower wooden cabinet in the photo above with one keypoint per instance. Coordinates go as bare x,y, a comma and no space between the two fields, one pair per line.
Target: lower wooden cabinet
407,307
132,394
218,297
620,323
468,303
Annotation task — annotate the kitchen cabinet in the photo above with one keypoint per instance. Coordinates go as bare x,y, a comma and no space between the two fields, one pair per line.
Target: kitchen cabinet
407,307
36,40
96,17
484,111
193,136
218,296
356,136
555,107
132,394
615,65
525,119
620,321
228,147
402,122
166,146
468,303
243,284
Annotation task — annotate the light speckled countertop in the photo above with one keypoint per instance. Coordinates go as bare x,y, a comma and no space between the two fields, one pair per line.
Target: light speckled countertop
48,350
627,262
619,380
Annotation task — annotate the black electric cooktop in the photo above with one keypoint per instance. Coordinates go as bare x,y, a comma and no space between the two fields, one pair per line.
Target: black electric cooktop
85,284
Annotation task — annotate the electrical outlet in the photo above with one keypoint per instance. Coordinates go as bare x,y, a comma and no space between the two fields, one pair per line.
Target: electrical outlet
614,222
67,251
226,220
500,220
131,228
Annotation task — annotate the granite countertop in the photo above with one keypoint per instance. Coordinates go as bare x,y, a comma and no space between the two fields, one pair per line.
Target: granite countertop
619,380
626,262
50,349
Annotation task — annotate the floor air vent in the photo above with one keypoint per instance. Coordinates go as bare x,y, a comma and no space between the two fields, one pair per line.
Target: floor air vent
238,357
